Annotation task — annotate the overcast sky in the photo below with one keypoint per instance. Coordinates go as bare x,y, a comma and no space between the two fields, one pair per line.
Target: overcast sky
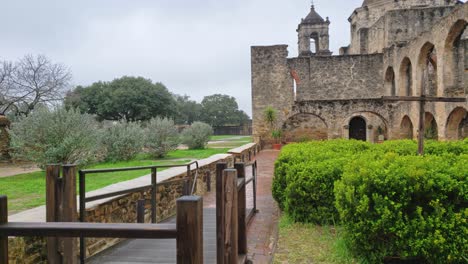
194,47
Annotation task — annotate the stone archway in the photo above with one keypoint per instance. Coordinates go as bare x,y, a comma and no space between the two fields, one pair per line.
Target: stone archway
454,65
406,77
390,81
304,127
358,128
431,129
406,128
428,65
457,124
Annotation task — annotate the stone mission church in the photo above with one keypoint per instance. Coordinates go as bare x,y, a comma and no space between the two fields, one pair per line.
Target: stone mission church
400,51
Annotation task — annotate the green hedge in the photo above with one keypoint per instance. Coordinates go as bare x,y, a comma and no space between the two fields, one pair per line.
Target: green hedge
304,177
427,196
406,206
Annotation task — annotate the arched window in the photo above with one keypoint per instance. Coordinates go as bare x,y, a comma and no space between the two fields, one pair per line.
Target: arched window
428,61
390,81
314,43
455,56
406,73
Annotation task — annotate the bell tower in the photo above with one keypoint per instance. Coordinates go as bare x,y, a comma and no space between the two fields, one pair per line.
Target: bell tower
313,35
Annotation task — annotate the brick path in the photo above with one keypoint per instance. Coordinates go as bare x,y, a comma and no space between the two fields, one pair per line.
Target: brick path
263,230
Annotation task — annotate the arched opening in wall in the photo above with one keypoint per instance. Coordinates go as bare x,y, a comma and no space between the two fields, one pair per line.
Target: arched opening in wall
314,43
390,81
457,124
406,128
357,128
428,64
456,65
431,131
406,73
305,127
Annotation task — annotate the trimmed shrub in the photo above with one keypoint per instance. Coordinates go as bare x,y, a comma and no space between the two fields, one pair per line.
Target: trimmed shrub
55,136
161,137
123,141
406,206
305,174
197,135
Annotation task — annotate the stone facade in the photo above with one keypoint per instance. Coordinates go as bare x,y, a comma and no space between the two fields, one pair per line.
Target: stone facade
398,48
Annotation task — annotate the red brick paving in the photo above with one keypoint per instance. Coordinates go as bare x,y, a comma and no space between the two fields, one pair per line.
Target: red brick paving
263,229
262,232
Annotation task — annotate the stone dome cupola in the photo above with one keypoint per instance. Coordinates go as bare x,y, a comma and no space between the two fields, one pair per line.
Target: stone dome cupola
313,35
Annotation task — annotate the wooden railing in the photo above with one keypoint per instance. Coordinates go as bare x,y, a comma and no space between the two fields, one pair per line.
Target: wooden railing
188,231
231,212
188,189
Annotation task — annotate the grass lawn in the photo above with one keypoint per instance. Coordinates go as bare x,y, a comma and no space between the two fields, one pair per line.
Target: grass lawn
309,243
27,190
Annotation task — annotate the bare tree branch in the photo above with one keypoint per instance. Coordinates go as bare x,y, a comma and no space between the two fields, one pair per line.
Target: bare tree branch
32,81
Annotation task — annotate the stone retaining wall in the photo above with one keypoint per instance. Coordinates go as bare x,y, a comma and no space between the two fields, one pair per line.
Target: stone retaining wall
123,208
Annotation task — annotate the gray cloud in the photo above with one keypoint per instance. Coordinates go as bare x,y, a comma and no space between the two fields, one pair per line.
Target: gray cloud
196,47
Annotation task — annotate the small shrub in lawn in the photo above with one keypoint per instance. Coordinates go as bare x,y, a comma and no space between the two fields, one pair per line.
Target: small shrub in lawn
55,136
197,135
406,207
161,137
122,140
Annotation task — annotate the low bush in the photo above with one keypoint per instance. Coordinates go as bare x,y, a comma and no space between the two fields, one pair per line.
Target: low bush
55,136
393,202
406,206
305,174
122,141
161,136
197,135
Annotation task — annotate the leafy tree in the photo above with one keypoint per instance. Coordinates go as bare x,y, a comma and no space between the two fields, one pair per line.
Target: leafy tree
197,135
123,140
55,136
161,137
129,98
30,82
221,110
188,111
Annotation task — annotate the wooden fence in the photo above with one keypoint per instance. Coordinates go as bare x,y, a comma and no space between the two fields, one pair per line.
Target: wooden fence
61,227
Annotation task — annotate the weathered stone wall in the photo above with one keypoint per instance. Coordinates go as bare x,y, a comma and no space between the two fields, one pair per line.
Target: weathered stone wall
400,26
123,210
365,19
338,77
272,85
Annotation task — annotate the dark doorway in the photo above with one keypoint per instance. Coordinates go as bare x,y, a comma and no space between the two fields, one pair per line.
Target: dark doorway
357,129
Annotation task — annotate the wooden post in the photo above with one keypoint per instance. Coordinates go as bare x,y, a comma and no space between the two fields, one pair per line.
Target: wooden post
220,167
3,220
241,212
154,186
230,243
422,127
140,208
208,181
52,210
190,230
69,213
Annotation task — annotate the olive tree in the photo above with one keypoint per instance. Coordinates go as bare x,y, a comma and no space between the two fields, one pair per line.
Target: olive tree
197,135
161,137
55,136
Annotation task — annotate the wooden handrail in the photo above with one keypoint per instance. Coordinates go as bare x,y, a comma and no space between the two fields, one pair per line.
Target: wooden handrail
67,229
